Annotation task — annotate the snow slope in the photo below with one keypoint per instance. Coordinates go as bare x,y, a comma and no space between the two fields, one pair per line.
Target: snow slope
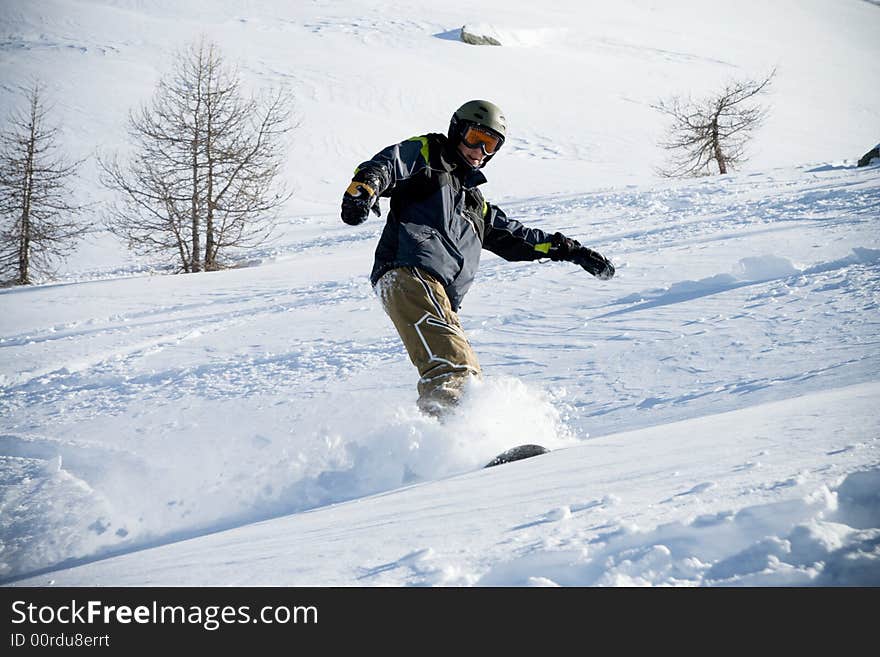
712,408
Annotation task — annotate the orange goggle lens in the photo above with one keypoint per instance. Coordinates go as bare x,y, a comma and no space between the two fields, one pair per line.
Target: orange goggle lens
475,137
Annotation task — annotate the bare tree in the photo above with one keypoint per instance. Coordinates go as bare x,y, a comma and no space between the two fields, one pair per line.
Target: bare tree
38,219
709,136
204,174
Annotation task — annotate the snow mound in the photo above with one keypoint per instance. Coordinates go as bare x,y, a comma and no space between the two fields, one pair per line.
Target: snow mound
828,538
497,35
765,268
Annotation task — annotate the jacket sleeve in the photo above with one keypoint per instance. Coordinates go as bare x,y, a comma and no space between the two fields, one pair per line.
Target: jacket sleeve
511,240
394,164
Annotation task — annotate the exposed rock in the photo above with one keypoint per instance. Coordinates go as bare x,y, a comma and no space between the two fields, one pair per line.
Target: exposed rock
477,37
868,158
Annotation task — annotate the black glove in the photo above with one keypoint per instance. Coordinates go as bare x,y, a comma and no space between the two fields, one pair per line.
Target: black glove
565,248
594,262
562,247
358,200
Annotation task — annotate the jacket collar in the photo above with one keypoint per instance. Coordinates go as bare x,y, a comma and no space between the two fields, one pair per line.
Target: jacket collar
473,178
453,163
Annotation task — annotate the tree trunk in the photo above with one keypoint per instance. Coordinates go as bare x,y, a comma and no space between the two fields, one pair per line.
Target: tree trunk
716,149
24,244
194,254
210,248
24,252
196,145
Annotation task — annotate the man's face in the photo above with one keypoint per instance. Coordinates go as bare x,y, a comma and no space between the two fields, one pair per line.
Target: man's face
473,156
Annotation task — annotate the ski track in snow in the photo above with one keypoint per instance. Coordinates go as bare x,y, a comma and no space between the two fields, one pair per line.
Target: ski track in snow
107,369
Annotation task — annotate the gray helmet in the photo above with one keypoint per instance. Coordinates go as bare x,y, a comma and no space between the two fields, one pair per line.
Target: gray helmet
478,112
482,113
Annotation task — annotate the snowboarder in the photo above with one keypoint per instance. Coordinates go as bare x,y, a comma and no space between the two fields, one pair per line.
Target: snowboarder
429,251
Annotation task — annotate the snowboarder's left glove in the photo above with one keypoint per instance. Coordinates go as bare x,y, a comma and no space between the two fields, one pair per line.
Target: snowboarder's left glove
565,248
562,247
594,262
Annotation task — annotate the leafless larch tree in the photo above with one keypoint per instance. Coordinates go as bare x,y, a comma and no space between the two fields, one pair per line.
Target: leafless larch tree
39,222
708,137
203,174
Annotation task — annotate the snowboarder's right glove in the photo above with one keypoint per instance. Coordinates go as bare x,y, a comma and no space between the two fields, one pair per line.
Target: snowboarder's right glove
565,248
358,200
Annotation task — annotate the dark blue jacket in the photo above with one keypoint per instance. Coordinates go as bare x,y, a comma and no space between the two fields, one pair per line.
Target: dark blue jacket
439,220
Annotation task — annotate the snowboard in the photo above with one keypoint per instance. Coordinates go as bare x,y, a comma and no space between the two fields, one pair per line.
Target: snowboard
517,454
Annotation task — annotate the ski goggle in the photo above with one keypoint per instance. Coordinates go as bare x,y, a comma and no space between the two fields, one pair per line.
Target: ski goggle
477,137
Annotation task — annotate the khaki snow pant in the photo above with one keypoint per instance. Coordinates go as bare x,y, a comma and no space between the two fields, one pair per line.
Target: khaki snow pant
418,306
